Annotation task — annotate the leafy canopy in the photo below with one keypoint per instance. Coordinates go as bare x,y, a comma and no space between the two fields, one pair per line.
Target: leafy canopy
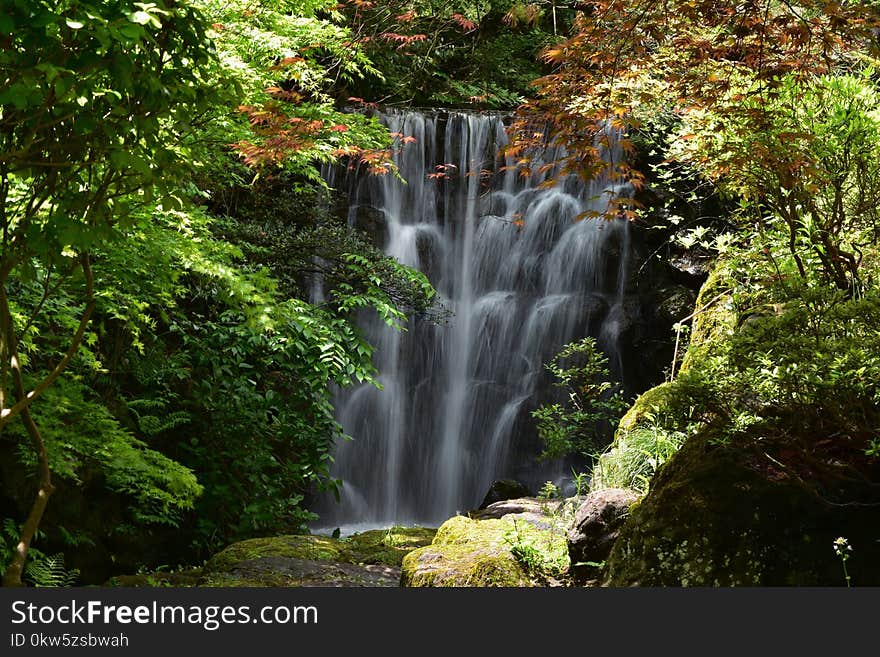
807,157
628,62
94,99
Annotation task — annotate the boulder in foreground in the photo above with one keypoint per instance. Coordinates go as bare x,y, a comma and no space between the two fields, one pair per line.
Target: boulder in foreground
499,552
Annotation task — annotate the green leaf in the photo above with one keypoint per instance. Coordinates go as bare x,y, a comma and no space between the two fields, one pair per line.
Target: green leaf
62,85
131,31
74,25
140,17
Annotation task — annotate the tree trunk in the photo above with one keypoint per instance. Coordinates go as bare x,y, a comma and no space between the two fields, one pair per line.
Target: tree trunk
15,570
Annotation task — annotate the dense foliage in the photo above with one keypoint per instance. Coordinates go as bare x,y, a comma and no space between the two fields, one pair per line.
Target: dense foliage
471,53
172,355
644,65
177,305
771,107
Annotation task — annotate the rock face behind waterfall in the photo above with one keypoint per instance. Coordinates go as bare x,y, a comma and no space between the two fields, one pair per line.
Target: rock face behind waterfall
522,276
505,489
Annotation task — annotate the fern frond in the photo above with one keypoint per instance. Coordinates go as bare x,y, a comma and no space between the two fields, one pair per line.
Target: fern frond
50,572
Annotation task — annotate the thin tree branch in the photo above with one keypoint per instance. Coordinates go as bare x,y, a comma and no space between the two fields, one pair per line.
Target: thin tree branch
6,414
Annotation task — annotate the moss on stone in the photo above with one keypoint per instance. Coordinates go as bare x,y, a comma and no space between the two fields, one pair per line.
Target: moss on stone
386,546
321,548
462,565
757,508
461,529
625,463
227,580
377,546
649,403
183,578
716,318
371,558
288,572
724,515
478,553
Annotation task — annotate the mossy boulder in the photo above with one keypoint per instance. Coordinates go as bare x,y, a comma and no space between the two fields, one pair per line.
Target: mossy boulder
370,558
715,320
183,578
730,515
320,548
499,552
289,572
386,546
715,317
647,405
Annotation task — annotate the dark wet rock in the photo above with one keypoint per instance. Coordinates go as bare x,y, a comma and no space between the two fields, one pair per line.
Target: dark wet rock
689,267
540,513
505,489
595,528
675,303
372,221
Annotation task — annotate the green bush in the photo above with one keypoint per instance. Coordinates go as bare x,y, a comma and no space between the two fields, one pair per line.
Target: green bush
585,421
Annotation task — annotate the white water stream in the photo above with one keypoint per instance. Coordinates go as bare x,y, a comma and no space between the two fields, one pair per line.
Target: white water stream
521,277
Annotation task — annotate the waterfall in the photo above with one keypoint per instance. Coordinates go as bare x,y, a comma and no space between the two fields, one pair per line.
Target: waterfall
521,278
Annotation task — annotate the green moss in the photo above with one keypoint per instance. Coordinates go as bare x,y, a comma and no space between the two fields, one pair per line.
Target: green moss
377,546
224,580
715,322
385,546
461,529
647,405
719,515
478,553
191,577
462,565
651,431
321,548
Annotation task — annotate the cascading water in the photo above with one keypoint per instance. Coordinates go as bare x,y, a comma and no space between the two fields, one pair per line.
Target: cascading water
521,277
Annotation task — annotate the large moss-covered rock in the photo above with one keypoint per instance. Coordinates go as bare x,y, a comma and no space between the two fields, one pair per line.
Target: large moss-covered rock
386,546
179,579
371,558
290,572
715,318
481,553
320,548
646,405
731,515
